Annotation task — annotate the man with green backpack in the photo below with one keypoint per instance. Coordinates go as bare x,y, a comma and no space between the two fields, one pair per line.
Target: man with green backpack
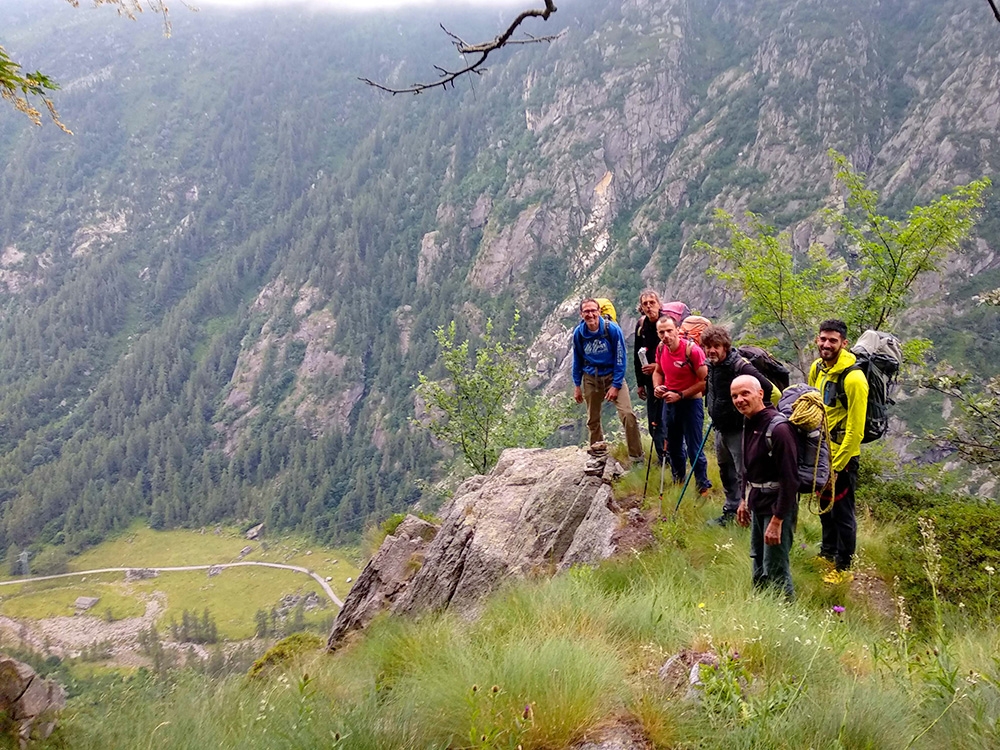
844,389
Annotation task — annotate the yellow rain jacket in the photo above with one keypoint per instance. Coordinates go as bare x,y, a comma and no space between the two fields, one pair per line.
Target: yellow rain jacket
846,424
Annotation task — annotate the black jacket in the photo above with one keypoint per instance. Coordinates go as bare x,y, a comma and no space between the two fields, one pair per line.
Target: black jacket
724,416
645,336
777,462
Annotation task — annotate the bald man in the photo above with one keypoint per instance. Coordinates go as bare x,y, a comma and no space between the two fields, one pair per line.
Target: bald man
770,501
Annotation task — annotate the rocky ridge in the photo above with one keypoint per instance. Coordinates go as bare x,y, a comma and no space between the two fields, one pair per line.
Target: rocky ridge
537,513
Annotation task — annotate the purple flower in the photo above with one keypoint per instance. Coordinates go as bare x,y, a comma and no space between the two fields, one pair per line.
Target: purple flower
838,609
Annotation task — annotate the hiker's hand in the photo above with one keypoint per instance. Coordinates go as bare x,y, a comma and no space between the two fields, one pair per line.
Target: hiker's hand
660,391
772,534
577,394
612,394
743,515
671,397
648,369
641,390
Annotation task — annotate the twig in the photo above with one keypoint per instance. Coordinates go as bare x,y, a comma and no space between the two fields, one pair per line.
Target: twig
996,13
482,51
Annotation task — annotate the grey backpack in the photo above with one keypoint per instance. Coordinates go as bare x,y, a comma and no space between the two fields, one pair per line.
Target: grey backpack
814,447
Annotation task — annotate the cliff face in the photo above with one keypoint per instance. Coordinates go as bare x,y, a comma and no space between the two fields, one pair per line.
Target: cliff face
217,297
669,109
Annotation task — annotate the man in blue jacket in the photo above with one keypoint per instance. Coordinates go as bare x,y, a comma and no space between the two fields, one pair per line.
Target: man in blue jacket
599,376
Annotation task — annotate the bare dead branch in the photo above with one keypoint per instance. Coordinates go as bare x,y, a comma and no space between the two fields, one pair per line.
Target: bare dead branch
996,13
481,51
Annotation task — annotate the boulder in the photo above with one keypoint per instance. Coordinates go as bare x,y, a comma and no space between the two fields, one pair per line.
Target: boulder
30,701
538,512
384,577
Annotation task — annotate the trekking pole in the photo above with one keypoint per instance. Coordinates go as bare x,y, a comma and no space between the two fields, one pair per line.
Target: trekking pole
701,448
663,461
649,463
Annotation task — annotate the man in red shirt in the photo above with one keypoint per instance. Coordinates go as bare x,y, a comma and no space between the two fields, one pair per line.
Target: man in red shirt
679,380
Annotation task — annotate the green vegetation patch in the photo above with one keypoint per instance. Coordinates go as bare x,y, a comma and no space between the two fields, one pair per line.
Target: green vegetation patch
58,599
233,596
285,651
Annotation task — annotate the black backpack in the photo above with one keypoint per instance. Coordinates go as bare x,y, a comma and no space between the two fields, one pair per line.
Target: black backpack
766,365
879,358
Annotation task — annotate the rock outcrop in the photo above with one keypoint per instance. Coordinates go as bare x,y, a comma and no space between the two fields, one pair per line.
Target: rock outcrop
538,512
29,701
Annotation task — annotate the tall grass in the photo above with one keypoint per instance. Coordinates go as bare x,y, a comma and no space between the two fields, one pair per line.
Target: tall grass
546,664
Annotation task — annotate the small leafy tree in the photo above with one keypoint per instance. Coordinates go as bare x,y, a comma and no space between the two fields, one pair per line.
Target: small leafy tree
785,296
788,296
973,431
483,404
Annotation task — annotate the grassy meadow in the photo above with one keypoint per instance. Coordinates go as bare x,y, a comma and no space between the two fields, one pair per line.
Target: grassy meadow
233,596
551,663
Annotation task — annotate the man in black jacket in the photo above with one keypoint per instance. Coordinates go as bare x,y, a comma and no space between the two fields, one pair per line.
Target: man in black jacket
770,503
646,338
724,364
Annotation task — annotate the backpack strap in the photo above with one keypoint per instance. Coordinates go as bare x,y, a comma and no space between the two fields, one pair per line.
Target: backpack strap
769,432
841,391
688,346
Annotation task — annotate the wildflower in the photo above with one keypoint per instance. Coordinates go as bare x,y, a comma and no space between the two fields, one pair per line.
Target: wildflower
990,569
837,609
527,712
475,688
495,689
701,605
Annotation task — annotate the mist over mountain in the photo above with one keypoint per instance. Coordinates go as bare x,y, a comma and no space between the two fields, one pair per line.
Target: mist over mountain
217,293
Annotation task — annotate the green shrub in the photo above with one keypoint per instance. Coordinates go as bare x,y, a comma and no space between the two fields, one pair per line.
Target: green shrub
968,536
898,500
284,651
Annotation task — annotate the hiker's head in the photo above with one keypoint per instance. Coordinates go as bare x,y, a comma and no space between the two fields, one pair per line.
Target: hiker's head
666,329
649,304
748,395
832,337
716,342
590,311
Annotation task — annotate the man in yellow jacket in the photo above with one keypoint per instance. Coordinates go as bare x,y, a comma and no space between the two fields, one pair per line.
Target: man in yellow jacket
845,394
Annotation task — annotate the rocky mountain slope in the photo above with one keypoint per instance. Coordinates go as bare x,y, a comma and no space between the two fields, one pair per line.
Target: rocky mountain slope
218,293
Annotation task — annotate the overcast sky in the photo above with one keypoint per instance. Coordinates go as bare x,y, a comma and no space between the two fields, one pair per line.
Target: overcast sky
356,5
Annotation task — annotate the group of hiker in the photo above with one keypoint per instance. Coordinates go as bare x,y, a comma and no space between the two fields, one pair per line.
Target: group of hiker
766,456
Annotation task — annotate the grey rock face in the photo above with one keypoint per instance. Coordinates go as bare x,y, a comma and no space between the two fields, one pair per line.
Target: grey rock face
30,701
537,512
384,577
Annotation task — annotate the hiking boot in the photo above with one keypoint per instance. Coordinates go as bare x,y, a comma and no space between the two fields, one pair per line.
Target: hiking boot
726,519
822,562
836,577
598,449
703,491
637,459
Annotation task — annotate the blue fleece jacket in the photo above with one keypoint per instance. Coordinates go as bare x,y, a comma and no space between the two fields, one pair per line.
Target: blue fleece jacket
599,353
